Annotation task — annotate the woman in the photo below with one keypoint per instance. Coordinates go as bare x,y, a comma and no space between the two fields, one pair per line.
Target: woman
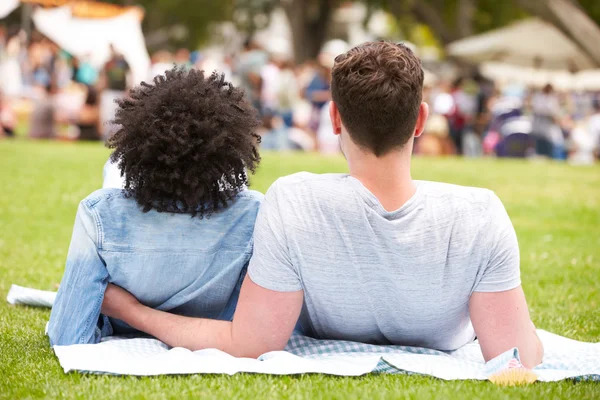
89,117
8,121
178,235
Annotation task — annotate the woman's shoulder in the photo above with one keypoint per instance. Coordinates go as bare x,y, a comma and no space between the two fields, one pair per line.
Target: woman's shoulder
100,195
248,199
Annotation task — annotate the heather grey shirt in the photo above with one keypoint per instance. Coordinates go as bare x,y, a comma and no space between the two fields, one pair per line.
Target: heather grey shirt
368,275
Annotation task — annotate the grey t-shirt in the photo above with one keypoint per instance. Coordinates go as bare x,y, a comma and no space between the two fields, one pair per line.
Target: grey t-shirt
368,275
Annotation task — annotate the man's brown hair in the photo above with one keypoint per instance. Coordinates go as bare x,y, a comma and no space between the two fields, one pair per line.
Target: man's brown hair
377,87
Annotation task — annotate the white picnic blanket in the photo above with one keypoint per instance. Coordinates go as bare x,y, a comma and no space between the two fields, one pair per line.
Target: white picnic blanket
564,358
30,297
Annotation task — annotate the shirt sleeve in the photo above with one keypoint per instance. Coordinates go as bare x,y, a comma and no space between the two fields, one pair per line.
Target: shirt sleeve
271,266
502,271
76,310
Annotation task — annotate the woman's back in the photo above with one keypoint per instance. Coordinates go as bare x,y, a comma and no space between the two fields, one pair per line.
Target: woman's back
172,261
169,261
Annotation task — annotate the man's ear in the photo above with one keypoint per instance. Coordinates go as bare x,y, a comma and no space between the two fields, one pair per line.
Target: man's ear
421,119
336,119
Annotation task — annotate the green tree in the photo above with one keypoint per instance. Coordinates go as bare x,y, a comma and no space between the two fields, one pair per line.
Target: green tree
449,20
182,23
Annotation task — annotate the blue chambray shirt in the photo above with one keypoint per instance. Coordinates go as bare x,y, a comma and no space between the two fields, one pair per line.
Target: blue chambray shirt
171,262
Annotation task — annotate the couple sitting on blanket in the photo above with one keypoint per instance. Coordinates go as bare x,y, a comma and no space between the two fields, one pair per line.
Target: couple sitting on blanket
370,256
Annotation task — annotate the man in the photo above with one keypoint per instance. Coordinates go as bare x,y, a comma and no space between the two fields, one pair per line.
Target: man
249,65
372,256
177,233
594,122
114,82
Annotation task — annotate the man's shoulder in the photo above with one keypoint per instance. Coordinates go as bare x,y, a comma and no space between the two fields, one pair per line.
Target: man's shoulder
306,179
305,188
457,195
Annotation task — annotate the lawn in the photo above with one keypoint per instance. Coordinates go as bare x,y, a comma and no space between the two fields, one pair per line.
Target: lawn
555,209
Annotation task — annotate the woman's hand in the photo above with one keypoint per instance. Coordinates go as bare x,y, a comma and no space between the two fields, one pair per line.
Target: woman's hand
119,303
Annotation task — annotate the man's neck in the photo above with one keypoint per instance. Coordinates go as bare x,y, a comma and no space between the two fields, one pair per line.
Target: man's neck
387,177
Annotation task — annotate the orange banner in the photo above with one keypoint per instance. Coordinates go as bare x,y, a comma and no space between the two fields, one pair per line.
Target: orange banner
87,9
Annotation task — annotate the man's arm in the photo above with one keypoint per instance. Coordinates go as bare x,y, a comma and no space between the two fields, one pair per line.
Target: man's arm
75,313
497,307
501,321
263,321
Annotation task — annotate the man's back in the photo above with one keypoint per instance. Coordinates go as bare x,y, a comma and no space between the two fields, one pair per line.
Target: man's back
401,277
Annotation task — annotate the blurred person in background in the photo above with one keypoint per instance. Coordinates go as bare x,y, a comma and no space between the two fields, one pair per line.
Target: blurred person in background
579,103
318,93
161,61
435,140
305,73
288,93
64,70
3,37
41,59
11,81
594,120
460,117
270,77
486,91
113,82
248,69
8,121
88,118
182,58
214,60
318,90
582,144
271,92
84,72
42,120
546,110
585,137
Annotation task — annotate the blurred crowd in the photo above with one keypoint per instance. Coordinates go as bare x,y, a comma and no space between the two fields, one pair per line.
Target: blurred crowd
473,117
55,95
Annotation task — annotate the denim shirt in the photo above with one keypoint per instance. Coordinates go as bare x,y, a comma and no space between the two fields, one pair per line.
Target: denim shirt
170,262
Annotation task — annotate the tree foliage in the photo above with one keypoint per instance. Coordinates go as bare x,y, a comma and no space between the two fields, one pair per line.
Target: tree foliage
181,22
186,22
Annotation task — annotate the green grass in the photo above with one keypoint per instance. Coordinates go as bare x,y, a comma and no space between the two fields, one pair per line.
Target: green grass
555,209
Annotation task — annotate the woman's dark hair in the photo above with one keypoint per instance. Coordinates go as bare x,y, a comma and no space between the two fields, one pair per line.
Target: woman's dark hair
185,142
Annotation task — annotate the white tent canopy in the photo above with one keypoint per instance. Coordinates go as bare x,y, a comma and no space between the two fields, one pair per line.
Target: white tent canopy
561,80
7,6
91,38
529,43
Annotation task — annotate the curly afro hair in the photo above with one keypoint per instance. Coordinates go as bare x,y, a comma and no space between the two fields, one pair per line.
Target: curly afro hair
185,142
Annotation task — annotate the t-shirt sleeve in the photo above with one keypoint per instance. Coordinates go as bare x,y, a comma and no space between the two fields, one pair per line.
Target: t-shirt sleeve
502,271
271,266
